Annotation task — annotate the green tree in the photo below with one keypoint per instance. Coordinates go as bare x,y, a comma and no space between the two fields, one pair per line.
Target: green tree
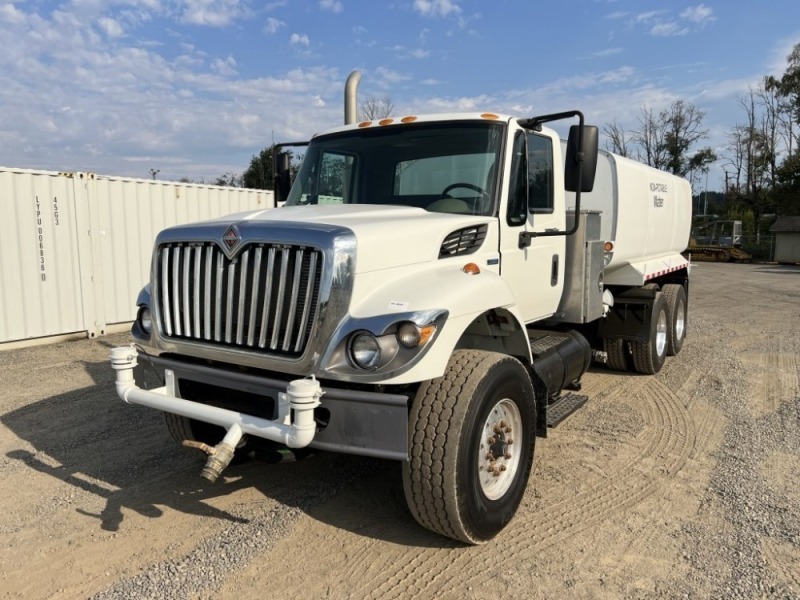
786,191
259,174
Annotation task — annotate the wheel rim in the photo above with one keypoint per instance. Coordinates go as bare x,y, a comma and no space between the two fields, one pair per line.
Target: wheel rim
498,452
661,333
680,321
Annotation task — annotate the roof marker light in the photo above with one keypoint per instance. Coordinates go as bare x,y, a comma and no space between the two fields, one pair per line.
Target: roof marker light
408,119
385,121
489,116
365,123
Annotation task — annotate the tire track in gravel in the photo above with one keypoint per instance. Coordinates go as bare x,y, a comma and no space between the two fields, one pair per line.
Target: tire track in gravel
779,379
665,447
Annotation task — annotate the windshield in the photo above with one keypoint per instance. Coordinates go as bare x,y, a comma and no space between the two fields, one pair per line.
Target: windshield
441,167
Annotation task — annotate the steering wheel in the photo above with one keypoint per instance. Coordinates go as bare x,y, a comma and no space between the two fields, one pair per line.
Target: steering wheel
469,186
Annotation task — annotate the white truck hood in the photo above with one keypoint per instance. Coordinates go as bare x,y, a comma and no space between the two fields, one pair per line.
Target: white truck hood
386,236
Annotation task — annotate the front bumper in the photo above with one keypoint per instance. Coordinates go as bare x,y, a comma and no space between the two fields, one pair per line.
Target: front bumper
350,421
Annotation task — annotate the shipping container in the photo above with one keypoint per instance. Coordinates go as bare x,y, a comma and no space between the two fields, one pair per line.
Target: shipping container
75,247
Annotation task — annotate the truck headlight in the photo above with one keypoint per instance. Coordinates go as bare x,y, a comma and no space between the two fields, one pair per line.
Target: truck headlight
364,350
145,318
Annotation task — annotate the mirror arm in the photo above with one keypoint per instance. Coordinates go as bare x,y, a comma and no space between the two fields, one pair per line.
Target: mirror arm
525,237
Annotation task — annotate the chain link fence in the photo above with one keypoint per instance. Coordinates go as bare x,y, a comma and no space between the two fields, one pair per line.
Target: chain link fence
761,248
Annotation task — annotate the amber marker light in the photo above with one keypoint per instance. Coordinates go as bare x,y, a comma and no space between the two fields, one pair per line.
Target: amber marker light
471,269
365,123
608,246
489,116
425,334
385,121
408,119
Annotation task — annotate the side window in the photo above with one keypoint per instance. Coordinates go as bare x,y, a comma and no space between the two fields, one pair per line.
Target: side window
517,191
540,174
335,177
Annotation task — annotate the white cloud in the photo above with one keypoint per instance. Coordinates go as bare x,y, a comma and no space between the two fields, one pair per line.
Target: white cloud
331,5
389,76
10,14
273,25
647,17
606,52
700,14
669,29
110,26
298,39
225,67
402,52
436,8
213,13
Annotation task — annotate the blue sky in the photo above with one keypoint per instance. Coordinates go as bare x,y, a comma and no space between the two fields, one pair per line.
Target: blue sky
194,88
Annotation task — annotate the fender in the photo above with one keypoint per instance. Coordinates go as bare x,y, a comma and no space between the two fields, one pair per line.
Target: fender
444,286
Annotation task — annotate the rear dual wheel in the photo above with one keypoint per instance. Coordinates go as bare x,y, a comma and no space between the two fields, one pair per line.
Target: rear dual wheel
649,356
676,303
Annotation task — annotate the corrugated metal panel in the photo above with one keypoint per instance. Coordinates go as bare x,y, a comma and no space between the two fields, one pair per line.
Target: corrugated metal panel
131,212
40,284
75,248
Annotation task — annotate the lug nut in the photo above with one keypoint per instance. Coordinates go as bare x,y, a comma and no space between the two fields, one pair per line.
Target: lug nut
491,440
509,441
502,467
496,473
489,456
507,455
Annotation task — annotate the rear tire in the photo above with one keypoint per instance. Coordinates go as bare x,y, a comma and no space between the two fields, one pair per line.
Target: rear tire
471,441
617,355
649,356
676,303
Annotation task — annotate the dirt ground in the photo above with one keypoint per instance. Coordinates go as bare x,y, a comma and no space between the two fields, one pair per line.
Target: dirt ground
679,485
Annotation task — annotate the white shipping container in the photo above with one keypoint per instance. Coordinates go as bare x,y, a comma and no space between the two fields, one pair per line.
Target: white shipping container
75,248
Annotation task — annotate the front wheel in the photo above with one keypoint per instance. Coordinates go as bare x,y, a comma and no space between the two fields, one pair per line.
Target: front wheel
471,441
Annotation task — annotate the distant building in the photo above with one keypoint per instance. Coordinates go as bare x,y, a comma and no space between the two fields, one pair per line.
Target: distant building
787,239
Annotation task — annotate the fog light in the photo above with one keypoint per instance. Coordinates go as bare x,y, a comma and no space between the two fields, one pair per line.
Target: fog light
365,351
408,334
145,320
413,336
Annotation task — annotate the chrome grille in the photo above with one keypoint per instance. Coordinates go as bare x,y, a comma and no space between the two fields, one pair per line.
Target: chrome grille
265,298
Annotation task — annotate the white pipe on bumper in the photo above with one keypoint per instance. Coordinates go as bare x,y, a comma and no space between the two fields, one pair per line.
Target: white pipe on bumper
302,394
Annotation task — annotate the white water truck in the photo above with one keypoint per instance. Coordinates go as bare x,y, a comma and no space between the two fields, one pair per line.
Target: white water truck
431,291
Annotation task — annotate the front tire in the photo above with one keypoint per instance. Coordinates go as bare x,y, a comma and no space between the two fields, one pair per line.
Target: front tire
471,441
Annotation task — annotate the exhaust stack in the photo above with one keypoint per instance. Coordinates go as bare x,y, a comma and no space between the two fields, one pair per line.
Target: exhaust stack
351,97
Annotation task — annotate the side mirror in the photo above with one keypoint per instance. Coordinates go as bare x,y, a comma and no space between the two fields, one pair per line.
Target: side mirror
582,151
282,182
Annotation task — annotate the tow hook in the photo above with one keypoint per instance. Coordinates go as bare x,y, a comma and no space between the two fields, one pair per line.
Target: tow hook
219,456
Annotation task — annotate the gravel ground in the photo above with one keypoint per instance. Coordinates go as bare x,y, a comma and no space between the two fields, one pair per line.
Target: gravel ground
679,485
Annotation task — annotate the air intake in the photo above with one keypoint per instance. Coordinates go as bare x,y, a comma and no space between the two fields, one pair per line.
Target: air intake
463,241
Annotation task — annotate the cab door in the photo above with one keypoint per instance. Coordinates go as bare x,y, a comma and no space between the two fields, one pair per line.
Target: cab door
534,203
